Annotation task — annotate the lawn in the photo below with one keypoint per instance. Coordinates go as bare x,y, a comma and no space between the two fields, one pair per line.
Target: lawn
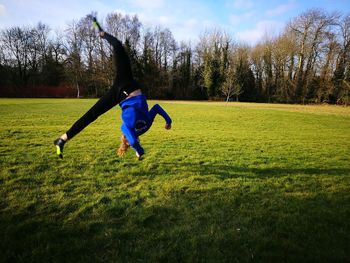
236,182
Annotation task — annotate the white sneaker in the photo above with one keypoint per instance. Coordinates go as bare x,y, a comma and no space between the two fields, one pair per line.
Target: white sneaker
139,157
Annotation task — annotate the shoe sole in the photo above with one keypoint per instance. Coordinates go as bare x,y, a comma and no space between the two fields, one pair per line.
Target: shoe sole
58,151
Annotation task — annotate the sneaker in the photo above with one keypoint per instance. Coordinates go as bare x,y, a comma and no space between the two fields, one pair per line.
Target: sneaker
59,147
139,156
96,25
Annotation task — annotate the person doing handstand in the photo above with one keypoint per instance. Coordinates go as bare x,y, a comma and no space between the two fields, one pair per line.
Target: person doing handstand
125,91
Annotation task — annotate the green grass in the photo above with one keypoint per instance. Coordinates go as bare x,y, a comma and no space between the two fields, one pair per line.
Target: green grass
233,182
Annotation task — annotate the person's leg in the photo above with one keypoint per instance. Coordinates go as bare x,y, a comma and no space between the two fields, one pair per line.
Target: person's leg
120,59
124,77
105,103
123,85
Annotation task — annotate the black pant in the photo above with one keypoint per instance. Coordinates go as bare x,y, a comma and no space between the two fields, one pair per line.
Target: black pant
123,85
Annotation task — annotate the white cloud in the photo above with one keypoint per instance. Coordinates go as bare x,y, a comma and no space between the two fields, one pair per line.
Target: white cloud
262,29
190,30
123,12
185,23
182,30
235,20
241,4
281,9
192,22
2,10
165,21
148,5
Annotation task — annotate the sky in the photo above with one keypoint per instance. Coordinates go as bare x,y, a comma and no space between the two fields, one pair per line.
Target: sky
244,20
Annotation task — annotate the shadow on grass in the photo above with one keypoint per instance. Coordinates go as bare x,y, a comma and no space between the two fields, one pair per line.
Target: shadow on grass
219,225
229,171
258,221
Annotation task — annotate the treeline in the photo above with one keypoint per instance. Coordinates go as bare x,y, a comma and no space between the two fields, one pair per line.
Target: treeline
309,62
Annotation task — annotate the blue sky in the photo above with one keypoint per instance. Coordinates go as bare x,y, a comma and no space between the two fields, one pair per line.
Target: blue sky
244,20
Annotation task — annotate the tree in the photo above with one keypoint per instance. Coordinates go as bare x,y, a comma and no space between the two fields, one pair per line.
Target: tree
245,81
307,62
181,73
230,86
309,29
15,41
74,62
283,50
256,57
214,49
340,78
330,47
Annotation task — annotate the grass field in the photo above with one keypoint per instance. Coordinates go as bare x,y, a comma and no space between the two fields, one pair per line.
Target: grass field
233,182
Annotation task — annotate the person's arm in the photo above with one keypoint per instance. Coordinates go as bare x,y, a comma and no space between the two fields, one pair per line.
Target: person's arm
157,109
132,139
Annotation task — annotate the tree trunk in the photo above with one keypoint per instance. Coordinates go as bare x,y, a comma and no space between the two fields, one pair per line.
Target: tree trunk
77,87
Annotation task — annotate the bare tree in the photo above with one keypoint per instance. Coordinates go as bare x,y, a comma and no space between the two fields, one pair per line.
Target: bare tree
256,57
340,80
16,42
310,29
308,62
57,47
213,49
230,86
74,45
282,61
124,27
39,43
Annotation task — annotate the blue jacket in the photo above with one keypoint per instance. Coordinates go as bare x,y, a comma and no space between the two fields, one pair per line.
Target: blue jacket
137,119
